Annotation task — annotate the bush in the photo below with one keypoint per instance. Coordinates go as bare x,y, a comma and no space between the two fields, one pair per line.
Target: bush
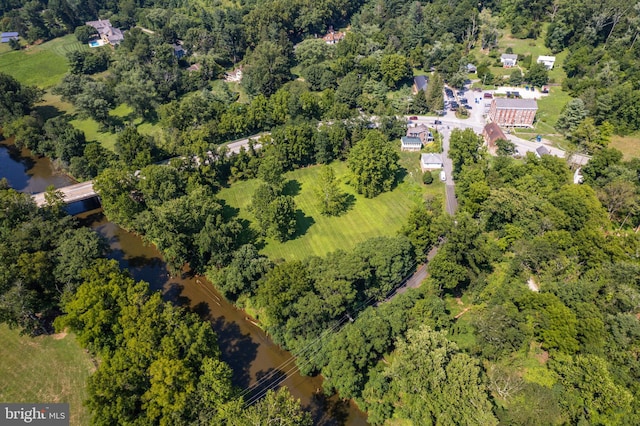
427,178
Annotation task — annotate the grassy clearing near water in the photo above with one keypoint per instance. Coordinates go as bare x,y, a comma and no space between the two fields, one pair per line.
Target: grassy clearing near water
41,65
44,369
366,218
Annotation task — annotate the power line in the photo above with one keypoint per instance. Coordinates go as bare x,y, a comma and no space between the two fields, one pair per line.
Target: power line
307,359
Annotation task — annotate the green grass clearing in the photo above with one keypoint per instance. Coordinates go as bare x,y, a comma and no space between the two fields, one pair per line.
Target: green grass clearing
45,369
41,65
628,145
549,108
366,218
92,131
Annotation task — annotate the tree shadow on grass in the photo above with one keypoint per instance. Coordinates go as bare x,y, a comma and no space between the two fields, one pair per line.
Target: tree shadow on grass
47,112
303,223
291,187
399,177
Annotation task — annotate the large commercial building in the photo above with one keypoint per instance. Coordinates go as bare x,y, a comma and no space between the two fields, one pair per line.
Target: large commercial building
513,112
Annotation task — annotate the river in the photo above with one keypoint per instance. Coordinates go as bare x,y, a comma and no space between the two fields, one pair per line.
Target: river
245,347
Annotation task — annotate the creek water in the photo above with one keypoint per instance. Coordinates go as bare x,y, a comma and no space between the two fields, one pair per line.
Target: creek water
256,361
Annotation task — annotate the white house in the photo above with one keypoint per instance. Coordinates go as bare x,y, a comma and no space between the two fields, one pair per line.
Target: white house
508,60
431,161
548,61
408,143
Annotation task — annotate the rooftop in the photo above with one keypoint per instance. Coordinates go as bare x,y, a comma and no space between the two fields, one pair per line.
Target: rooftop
541,150
421,82
494,132
408,140
431,158
516,103
512,56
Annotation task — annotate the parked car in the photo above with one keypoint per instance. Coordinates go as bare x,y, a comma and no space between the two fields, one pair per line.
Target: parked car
413,118
488,95
443,175
437,122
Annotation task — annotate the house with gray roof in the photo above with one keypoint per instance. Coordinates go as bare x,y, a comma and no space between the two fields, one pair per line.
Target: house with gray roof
108,34
420,82
431,161
508,60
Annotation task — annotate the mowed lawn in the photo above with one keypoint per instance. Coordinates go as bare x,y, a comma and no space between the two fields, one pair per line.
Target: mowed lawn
44,369
317,234
42,65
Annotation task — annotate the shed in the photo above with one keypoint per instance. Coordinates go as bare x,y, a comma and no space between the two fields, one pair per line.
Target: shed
431,161
508,60
542,150
548,61
408,143
472,69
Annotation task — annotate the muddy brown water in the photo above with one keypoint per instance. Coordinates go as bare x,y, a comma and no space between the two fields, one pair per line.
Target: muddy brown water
256,361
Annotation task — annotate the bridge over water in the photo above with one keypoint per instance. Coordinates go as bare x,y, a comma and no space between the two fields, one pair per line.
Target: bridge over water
84,190
70,194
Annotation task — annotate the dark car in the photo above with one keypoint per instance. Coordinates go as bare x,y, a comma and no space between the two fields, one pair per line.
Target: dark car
437,122
413,118
488,96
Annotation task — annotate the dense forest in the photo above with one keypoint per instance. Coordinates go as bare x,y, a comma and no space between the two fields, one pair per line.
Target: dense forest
529,314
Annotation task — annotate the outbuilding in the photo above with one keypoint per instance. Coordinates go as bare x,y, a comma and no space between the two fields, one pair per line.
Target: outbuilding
431,161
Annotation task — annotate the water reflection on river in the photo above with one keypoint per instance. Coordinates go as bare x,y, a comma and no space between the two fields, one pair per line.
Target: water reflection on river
245,347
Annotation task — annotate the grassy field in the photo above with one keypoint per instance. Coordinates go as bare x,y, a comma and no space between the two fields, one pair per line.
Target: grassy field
629,145
549,108
366,218
42,65
91,128
45,369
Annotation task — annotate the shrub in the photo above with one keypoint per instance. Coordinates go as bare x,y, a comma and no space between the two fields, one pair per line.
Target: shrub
427,178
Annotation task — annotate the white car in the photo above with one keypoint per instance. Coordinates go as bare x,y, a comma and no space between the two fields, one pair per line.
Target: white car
443,176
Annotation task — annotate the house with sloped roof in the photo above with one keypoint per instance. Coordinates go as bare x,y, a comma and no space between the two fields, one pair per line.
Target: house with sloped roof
107,32
421,131
508,60
491,133
420,82
431,161
333,37
513,112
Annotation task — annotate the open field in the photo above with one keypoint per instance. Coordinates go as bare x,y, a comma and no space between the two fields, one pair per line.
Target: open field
45,369
42,65
366,218
629,145
91,128
549,108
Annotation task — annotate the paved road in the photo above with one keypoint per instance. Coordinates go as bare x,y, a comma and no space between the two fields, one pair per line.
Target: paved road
234,146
